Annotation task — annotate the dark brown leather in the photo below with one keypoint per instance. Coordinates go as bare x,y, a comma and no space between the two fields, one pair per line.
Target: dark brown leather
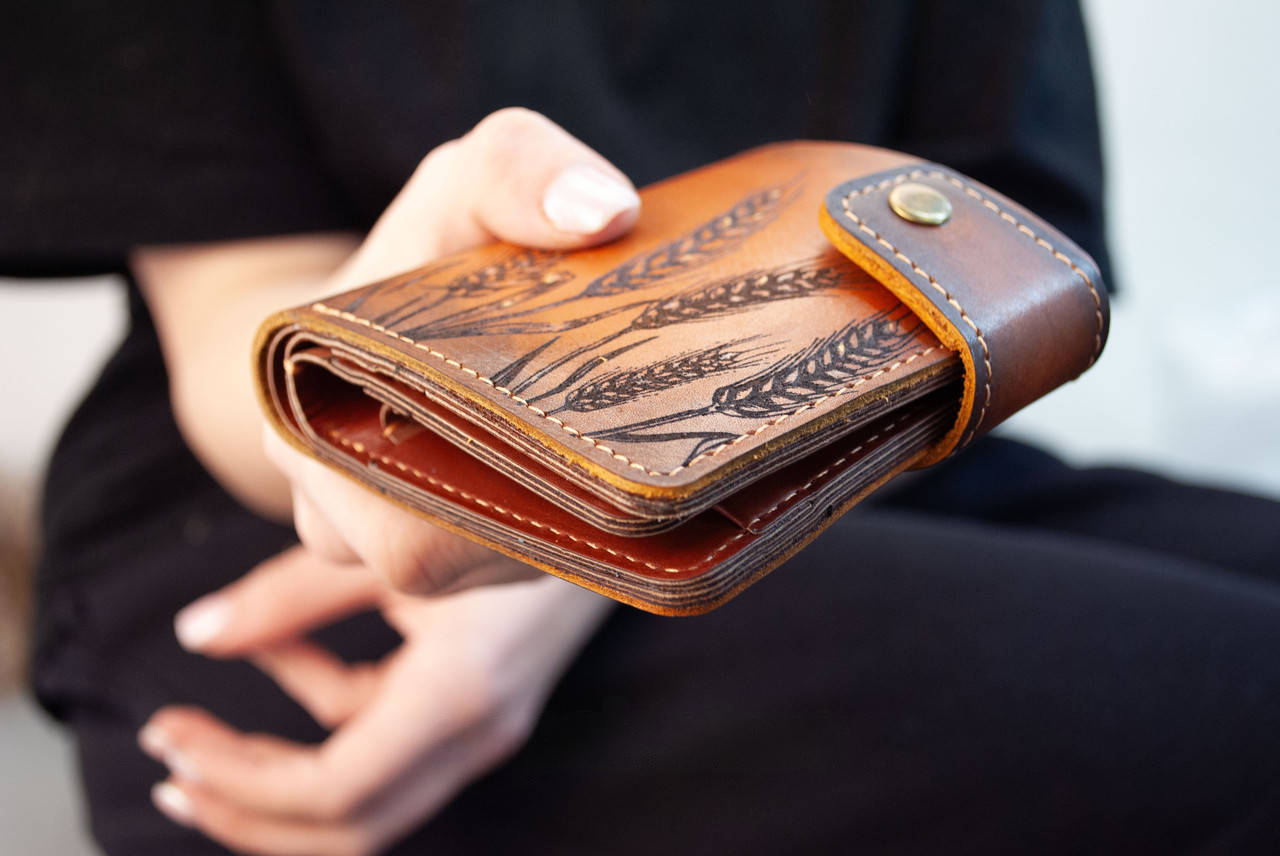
663,419
1022,304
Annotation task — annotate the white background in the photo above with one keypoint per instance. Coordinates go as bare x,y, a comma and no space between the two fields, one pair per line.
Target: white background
1189,384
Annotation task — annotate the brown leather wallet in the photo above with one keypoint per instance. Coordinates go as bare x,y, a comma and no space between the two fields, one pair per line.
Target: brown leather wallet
667,418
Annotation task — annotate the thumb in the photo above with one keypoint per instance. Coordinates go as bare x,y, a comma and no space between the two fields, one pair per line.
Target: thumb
518,177
280,599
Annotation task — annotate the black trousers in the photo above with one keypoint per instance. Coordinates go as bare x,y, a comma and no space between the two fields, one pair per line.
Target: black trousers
1002,654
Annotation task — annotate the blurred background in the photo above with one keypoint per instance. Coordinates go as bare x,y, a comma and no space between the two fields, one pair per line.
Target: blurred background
1189,384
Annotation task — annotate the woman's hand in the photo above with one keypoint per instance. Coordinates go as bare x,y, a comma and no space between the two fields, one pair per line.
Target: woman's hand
516,177
457,697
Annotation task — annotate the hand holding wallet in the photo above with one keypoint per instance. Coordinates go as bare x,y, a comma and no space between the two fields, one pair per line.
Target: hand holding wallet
667,418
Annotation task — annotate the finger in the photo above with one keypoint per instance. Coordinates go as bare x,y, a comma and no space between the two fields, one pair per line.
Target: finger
427,787
413,555
528,166
247,831
428,714
318,534
336,780
279,599
405,804
329,689
499,571
198,747
518,177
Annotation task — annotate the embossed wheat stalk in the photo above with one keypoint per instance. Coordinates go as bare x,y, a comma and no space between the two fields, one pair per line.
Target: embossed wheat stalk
516,277
621,386
518,268
827,364
821,368
715,236
733,295
724,297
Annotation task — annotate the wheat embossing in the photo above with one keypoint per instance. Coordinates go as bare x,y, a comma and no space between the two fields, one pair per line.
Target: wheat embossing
718,299
721,233
789,384
624,385
514,279
827,364
718,235
734,295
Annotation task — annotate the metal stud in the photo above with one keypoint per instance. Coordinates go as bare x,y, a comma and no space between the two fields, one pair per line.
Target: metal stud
920,203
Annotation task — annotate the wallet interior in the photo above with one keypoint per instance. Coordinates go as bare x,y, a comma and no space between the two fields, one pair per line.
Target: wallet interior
418,448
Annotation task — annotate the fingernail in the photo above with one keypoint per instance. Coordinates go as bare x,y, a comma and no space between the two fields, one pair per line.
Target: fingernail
180,765
198,624
585,199
170,799
153,741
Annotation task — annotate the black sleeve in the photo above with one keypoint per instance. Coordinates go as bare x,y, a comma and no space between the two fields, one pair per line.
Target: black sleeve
138,122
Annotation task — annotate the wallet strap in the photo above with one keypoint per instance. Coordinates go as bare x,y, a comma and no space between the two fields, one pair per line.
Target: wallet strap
1022,305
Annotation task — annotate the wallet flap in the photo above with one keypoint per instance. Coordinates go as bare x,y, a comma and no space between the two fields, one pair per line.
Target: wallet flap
1022,305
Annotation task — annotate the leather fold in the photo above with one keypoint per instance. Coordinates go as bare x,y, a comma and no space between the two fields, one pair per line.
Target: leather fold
1020,303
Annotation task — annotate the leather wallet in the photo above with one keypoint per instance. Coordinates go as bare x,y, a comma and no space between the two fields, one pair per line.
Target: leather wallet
667,418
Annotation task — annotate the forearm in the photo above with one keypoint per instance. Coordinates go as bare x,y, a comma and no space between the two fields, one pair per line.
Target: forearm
207,302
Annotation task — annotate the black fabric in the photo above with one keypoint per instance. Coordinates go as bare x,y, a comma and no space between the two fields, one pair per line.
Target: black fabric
912,683
1000,654
147,121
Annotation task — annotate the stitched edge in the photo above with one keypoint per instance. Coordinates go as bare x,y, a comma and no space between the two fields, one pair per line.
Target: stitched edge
1054,251
360,449
986,352
573,432
1021,227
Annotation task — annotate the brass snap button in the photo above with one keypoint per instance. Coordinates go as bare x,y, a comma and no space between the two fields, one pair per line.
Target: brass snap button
920,203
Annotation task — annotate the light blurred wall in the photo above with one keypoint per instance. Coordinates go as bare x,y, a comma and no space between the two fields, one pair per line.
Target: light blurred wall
1190,382
56,336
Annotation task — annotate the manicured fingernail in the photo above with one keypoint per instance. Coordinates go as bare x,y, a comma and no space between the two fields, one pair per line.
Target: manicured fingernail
170,799
584,199
200,623
153,741
180,765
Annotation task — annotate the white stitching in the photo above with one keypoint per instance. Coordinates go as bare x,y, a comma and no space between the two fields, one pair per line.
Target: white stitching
360,448
573,432
811,482
1054,251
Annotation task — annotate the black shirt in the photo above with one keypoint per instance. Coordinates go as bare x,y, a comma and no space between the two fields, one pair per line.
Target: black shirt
152,122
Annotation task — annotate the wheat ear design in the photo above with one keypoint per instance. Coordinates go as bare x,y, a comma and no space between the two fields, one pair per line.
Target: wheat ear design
722,232
794,381
622,386
728,296
827,364
532,269
720,298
